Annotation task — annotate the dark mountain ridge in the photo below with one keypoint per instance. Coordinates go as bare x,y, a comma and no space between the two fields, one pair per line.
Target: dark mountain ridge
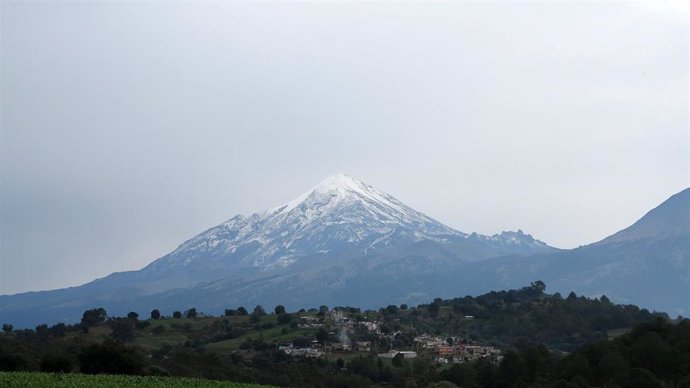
345,243
647,264
342,241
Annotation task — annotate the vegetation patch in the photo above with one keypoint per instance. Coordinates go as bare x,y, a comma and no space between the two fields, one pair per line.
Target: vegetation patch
58,380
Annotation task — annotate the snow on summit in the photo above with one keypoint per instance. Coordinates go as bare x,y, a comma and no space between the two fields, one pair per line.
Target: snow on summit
342,190
339,214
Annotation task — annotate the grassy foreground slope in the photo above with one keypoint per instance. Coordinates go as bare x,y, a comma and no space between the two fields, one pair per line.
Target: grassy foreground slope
58,380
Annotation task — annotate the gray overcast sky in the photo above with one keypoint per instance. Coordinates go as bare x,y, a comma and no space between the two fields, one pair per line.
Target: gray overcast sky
128,127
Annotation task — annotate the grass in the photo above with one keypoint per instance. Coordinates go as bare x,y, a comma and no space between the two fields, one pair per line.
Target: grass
178,330
273,334
615,333
38,380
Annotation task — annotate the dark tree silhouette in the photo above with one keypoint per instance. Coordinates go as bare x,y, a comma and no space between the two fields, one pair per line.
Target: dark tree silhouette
55,364
259,311
123,330
93,317
111,358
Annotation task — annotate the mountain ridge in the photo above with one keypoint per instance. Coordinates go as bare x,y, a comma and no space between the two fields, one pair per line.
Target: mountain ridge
647,263
669,219
339,213
344,242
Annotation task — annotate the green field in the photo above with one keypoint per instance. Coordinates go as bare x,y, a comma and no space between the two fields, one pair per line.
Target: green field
32,379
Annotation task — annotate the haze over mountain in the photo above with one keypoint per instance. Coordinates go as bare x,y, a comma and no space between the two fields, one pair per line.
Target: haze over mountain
647,264
346,243
342,242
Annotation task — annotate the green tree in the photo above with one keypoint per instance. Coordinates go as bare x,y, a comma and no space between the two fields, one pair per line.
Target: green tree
155,314
279,309
123,330
513,368
12,361
93,317
576,364
391,309
642,378
284,318
398,360
463,375
177,314
611,367
54,363
539,285
684,382
433,309
322,336
111,358
259,310
7,328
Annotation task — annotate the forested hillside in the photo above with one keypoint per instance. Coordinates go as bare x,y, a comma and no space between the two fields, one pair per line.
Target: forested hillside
526,335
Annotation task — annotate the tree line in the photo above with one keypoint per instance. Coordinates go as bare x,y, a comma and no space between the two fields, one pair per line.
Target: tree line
548,341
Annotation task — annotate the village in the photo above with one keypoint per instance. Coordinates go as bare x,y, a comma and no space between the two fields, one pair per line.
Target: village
348,337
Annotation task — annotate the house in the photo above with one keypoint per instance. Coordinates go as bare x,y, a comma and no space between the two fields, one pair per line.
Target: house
304,352
363,346
307,321
444,350
339,346
428,342
370,326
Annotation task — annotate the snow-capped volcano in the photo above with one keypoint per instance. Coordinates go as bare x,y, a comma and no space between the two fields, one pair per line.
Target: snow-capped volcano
339,194
339,213
341,242
344,242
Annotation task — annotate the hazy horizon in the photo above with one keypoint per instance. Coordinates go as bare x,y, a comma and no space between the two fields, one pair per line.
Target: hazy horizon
128,128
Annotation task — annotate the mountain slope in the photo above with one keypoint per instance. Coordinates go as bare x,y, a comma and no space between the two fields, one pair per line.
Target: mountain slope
343,241
647,264
338,213
669,220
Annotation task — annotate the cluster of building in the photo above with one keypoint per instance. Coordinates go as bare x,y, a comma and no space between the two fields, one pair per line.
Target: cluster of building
456,350
451,350
309,352
309,322
341,324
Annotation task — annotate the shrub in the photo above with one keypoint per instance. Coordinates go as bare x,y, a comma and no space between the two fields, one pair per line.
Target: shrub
111,358
55,364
